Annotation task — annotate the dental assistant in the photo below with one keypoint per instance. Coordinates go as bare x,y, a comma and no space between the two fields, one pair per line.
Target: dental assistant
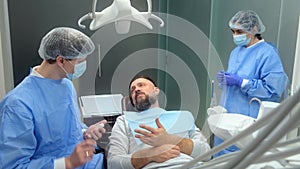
254,70
40,123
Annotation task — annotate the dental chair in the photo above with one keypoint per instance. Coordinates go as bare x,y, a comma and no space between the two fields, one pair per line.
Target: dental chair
98,107
95,108
126,104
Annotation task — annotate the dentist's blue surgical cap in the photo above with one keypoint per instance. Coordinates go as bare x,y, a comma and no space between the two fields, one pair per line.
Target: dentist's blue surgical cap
66,42
247,21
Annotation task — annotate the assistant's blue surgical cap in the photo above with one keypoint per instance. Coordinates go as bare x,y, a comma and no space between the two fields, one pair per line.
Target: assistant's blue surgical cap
247,21
66,42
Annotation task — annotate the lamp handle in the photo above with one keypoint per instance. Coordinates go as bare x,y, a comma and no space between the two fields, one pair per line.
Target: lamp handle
94,8
149,2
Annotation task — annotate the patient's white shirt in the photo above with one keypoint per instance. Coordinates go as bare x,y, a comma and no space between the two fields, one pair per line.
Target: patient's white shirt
122,145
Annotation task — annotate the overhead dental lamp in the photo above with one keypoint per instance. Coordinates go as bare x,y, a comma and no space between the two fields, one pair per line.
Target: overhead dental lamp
121,13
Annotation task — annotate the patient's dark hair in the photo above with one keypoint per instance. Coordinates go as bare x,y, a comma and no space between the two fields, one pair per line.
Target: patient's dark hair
137,77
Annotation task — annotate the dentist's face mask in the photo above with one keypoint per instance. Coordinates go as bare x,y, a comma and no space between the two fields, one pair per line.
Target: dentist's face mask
79,69
241,40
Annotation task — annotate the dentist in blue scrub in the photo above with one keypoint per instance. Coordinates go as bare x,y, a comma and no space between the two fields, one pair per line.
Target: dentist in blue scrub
40,123
254,70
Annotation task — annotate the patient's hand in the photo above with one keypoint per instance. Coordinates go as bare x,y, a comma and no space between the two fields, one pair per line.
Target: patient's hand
156,136
159,154
165,152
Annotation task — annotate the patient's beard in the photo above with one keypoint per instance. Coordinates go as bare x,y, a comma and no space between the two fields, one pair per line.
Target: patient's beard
145,103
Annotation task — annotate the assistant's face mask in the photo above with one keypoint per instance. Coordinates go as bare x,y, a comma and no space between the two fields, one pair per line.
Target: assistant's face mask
241,40
79,69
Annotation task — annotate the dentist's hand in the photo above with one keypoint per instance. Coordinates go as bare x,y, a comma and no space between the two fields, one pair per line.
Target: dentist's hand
95,131
82,154
156,136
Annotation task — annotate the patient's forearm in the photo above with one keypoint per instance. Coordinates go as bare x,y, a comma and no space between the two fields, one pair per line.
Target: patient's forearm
186,146
140,159
154,154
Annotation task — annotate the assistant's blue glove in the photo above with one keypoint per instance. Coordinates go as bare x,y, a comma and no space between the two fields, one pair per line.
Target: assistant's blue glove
232,79
221,76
